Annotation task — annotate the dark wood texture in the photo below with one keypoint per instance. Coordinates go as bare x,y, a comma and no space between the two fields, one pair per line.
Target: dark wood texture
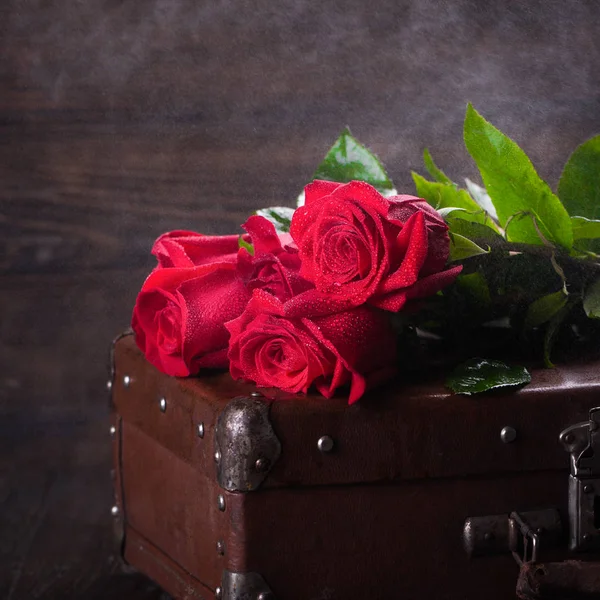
121,119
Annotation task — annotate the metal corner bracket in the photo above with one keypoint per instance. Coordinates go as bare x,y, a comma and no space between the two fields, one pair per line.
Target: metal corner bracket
244,586
246,447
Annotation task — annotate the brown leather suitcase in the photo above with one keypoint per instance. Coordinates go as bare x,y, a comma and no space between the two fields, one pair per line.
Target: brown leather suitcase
225,492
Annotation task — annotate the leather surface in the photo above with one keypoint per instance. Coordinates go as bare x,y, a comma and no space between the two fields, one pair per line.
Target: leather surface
397,432
408,466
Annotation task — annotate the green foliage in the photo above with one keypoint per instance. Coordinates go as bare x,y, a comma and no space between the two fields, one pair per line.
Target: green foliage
579,185
591,300
545,308
462,248
444,195
515,187
348,159
244,244
433,170
480,375
280,216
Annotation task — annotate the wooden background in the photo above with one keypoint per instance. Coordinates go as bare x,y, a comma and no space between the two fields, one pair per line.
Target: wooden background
122,119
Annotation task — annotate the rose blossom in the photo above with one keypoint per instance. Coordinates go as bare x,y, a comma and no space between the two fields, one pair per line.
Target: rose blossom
180,312
275,265
358,246
191,249
276,345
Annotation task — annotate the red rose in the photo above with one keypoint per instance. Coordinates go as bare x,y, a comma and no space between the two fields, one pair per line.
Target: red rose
190,249
275,345
275,266
358,246
180,313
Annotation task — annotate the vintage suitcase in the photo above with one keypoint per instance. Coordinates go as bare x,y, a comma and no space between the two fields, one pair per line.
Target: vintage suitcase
222,492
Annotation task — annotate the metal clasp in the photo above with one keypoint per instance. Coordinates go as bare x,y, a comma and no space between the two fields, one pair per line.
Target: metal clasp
582,441
520,536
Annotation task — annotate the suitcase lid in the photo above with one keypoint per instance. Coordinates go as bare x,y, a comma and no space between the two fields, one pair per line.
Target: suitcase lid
403,431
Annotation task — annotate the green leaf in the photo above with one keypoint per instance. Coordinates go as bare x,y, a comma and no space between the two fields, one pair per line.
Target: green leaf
475,285
551,331
348,159
243,244
514,185
444,195
585,229
591,300
579,185
280,216
482,198
434,171
462,247
545,308
472,225
480,374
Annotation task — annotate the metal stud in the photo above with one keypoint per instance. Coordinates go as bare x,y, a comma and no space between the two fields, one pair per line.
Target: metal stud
221,502
114,511
256,395
163,405
220,547
508,434
588,489
325,444
218,593
126,380
112,431
109,385
568,438
200,430
264,596
261,465
217,457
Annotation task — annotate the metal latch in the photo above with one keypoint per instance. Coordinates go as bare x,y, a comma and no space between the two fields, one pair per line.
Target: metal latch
523,534
582,441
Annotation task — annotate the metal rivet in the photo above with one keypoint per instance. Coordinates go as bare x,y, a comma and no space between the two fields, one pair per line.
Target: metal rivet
163,405
109,385
112,431
126,380
256,395
218,593
114,511
201,430
588,489
488,537
264,596
221,502
540,530
261,465
587,537
325,444
508,434
220,547
568,438
217,456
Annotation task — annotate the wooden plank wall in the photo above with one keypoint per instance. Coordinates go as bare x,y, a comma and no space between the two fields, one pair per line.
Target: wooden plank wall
120,119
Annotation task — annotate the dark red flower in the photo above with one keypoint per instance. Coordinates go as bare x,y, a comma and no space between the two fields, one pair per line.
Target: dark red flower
358,246
277,345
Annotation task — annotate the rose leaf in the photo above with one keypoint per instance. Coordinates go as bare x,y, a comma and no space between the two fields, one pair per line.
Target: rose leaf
244,244
480,375
434,170
514,185
280,216
444,195
579,184
349,160
462,248
591,300
545,308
